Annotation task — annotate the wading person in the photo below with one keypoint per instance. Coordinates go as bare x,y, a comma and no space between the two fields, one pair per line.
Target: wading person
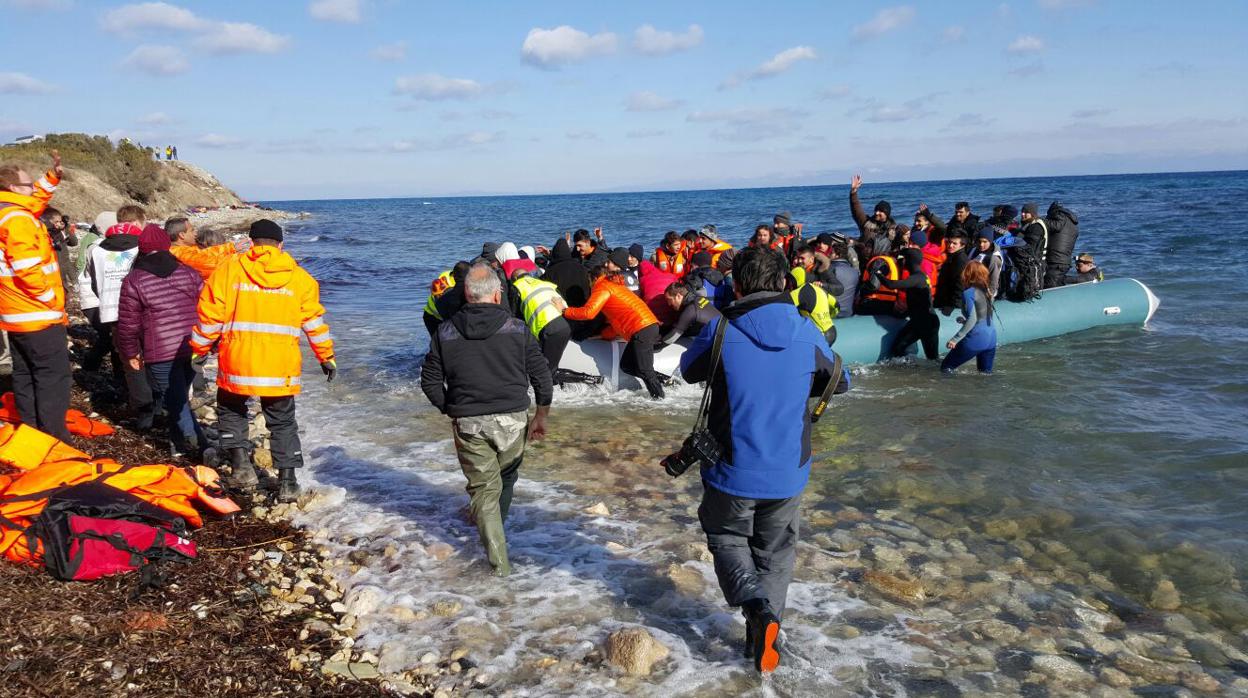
478,371
978,337
257,304
772,358
923,325
628,318
32,300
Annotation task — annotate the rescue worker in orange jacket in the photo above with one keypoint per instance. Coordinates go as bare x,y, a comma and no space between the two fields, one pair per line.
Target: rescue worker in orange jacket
32,299
204,260
630,319
256,305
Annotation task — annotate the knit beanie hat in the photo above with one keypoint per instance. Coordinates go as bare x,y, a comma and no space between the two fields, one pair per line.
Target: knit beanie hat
488,249
619,257
153,239
266,229
884,206
918,237
637,251
1030,208
783,217
701,259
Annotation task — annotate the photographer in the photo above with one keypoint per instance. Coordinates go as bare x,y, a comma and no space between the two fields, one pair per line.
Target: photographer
771,359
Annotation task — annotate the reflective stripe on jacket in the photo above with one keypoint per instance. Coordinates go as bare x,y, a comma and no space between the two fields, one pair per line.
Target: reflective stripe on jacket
825,309
257,304
32,296
537,302
672,264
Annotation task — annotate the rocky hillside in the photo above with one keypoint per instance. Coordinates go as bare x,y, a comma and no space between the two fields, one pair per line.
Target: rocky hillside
101,176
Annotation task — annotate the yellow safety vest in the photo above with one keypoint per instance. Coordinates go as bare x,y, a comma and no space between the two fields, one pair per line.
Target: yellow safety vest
537,301
825,304
440,285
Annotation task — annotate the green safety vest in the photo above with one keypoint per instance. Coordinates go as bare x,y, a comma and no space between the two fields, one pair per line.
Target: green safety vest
537,301
825,304
440,286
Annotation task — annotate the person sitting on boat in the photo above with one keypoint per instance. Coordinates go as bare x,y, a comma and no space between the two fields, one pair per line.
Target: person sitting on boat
785,232
987,254
963,220
948,293
671,255
588,250
629,319
707,281
762,237
923,325
1086,271
823,245
617,262
878,230
978,337
846,275
654,283
818,271
1002,219
694,313
931,224
709,242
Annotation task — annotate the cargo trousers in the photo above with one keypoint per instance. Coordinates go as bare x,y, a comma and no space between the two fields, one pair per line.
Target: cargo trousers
279,419
490,449
753,543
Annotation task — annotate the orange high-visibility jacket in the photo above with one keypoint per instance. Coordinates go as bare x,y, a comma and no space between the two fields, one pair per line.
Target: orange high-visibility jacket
257,304
625,310
206,260
32,297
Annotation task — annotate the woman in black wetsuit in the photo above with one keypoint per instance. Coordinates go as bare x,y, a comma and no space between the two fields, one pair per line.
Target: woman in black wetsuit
923,325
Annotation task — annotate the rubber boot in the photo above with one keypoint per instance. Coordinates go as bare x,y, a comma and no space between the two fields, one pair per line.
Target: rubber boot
495,542
763,628
287,485
242,472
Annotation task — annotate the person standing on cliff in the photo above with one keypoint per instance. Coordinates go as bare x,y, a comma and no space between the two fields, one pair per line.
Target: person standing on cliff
32,300
478,371
257,304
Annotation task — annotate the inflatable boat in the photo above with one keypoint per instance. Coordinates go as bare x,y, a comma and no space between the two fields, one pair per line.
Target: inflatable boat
865,339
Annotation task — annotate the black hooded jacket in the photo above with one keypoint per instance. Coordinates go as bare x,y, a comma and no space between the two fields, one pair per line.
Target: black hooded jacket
482,361
949,281
1063,234
568,275
917,287
968,227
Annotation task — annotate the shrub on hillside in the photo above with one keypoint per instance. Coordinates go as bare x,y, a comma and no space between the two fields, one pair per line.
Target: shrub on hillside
132,170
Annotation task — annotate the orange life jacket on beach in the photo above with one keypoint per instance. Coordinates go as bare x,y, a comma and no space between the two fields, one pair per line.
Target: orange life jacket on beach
78,423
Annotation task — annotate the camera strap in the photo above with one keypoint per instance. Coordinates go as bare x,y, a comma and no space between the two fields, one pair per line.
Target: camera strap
705,409
833,382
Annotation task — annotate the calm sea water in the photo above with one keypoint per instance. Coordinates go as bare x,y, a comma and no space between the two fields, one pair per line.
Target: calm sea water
1126,447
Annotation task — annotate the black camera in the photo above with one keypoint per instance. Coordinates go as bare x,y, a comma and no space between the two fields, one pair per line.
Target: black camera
699,448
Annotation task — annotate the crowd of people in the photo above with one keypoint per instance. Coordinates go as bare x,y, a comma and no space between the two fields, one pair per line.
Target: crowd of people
160,298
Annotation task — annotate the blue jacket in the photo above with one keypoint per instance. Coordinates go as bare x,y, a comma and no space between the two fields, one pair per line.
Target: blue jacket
772,361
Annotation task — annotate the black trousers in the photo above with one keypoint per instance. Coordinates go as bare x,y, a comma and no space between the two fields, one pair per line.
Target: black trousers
554,339
102,346
754,544
638,359
921,328
41,378
1055,275
279,417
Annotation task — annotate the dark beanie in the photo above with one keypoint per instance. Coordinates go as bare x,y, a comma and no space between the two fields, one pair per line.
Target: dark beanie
783,217
637,251
912,259
918,237
619,257
265,228
1030,208
153,239
884,206
488,249
726,259
701,259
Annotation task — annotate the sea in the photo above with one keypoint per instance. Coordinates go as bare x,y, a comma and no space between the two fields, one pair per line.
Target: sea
1039,529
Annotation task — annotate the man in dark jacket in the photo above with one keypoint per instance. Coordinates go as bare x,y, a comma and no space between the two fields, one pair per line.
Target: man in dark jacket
695,312
1063,227
478,371
707,281
949,277
588,249
571,278
963,221
154,321
847,274
923,325
878,230
772,359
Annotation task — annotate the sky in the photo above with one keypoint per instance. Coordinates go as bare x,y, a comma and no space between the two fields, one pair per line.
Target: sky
298,99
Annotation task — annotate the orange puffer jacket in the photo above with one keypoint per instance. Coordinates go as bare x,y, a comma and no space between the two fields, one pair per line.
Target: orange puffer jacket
257,304
625,310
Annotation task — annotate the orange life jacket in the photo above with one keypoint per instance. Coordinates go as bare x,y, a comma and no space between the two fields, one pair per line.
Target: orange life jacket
884,293
672,264
716,250
78,423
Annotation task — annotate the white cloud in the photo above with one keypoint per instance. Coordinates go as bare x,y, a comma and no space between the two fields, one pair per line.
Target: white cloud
649,101
336,10
23,84
38,4
241,37
1026,44
747,124
655,42
885,21
646,133
156,118
152,15
954,34
434,87
968,120
453,141
550,48
218,141
160,61
392,53
774,66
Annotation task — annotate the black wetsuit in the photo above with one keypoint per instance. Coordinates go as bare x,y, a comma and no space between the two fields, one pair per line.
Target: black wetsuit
923,325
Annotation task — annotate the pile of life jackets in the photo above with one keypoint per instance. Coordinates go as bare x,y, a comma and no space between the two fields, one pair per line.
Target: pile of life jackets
37,466
78,423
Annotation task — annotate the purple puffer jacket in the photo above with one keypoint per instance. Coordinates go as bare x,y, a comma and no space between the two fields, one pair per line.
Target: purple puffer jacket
157,310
